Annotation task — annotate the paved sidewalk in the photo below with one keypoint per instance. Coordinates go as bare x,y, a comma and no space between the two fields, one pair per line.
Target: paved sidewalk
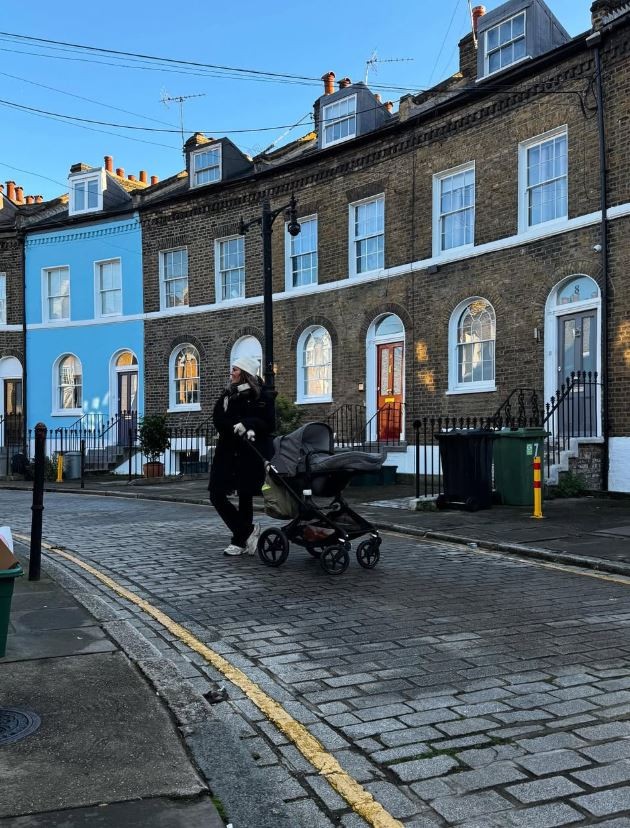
587,531
102,748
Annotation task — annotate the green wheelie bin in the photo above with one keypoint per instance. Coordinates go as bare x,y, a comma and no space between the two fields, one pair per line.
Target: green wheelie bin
514,452
7,578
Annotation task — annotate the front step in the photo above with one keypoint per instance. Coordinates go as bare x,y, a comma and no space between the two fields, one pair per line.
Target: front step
583,457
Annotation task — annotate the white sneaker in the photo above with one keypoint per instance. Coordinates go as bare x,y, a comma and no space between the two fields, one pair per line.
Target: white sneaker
233,551
252,540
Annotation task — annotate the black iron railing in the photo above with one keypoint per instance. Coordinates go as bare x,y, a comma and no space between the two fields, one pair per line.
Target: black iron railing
524,406
573,411
351,428
11,443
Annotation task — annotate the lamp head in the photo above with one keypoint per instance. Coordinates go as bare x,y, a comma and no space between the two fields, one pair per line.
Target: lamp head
293,227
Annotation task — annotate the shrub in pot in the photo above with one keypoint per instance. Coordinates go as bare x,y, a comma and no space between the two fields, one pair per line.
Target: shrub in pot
153,436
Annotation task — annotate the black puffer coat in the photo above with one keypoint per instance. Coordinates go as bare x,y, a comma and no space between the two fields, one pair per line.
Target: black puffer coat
235,466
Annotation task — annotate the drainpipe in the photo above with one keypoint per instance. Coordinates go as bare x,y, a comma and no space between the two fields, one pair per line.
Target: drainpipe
22,239
594,40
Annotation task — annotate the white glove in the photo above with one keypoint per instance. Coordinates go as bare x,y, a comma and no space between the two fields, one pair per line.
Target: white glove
239,429
251,434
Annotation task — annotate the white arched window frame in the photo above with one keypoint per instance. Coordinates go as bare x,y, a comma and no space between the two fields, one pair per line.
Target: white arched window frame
67,386
314,366
247,346
471,347
184,382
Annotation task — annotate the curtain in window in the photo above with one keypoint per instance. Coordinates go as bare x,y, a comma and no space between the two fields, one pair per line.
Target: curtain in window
317,364
186,376
70,387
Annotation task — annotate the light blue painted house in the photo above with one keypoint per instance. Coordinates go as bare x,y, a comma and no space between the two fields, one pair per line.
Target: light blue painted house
84,306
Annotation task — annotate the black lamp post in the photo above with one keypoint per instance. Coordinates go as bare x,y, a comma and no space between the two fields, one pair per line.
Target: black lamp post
266,220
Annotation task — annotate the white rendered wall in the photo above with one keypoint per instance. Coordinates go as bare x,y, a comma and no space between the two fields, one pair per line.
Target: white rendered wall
619,471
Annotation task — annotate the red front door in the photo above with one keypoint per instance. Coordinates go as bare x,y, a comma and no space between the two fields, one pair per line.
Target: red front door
390,390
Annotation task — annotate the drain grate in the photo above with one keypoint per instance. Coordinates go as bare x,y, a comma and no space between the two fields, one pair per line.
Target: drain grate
17,724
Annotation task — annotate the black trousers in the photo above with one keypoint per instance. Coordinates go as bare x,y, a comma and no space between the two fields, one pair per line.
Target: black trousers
238,520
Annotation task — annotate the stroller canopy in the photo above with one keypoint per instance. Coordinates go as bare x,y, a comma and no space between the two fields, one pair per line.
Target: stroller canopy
290,450
315,440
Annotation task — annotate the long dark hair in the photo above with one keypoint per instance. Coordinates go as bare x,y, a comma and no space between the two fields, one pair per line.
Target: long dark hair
254,382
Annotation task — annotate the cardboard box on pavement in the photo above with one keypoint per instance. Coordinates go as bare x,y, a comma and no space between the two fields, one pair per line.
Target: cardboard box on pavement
7,558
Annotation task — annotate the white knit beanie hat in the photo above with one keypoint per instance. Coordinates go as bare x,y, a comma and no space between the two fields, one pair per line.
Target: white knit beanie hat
248,364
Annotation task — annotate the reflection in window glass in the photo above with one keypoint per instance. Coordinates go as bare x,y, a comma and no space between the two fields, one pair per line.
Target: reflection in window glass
186,376
577,290
70,388
317,364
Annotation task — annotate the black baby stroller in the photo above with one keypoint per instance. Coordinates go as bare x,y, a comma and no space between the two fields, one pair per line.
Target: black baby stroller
304,472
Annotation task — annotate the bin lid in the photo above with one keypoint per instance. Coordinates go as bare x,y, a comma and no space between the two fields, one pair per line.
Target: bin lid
526,433
14,572
465,433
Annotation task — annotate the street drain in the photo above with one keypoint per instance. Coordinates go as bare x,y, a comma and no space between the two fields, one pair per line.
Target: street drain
16,724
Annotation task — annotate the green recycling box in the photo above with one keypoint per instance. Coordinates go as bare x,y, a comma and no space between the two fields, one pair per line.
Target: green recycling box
7,578
514,452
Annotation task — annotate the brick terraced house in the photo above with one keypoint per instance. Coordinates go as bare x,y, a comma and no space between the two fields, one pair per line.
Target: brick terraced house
449,254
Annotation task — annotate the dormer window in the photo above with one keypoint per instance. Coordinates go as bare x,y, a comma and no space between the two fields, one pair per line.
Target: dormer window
340,120
505,43
86,193
206,165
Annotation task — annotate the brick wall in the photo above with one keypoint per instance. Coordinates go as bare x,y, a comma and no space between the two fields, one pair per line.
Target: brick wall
11,342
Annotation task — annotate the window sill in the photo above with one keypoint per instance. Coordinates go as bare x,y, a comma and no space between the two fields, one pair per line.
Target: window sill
475,389
379,271
67,412
176,409
313,400
174,309
449,251
56,321
534,230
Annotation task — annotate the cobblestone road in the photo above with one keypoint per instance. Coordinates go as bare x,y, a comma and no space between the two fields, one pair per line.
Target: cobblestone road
459,688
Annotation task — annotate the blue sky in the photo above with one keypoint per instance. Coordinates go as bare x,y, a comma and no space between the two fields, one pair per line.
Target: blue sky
300,39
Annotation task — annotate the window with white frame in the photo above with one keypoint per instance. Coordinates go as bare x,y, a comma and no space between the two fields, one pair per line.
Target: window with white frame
339,120
69,392
302,255
472,336
108,288
505,43
453,209
543,179
174,277
184,385
367,235
230,268
206,165
3,298
314,359
86,193
56,294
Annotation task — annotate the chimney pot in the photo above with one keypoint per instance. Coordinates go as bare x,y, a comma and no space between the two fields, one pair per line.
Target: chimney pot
131,178
477,12
378,97
344,82
329,83
30,199
19,195
39,199
154,179
389,106
143,176
109,163
120,172
11,190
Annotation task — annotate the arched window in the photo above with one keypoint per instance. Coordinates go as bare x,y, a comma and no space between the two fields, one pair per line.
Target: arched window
579,289
314,360
388,326
184,376
69,391
472,337
247,346
126,360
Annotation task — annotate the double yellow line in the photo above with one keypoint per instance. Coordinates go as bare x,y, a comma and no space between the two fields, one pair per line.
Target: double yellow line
359,799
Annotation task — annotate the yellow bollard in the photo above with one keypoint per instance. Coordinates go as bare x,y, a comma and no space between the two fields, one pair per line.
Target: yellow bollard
59,468
537,488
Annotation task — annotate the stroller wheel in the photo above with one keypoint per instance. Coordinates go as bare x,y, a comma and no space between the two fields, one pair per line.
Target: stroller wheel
368,553
334,560
273,547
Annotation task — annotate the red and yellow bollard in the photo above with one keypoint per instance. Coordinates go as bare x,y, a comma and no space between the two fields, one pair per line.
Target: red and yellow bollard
537,488
59,468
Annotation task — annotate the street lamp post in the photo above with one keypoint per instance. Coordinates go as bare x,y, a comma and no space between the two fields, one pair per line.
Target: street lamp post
266,220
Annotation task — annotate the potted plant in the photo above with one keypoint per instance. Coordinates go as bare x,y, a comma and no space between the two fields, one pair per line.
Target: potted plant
153,436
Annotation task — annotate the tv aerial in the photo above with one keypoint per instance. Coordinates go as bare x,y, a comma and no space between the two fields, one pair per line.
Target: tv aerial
372,63
167,99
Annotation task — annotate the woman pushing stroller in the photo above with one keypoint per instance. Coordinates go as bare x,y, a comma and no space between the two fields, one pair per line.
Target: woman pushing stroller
244,412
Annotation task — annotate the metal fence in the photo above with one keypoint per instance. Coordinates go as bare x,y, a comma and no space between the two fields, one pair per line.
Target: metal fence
352,429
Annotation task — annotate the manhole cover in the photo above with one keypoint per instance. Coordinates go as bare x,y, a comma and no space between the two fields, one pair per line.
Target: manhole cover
16,724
